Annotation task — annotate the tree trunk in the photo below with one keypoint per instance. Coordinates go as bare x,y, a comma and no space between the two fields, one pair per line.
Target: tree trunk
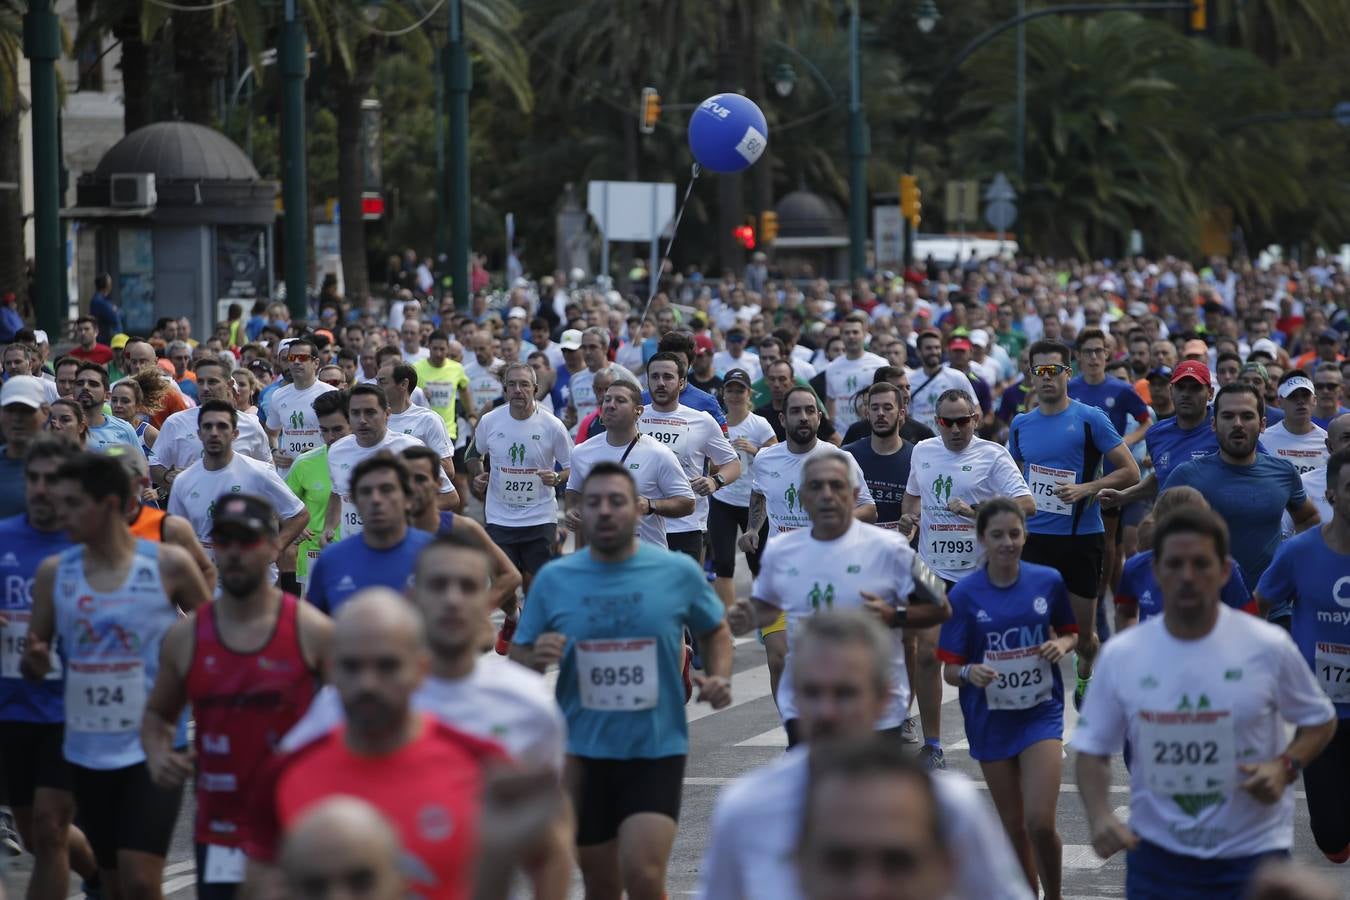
12,271
201,51
351,169
730,209
135,66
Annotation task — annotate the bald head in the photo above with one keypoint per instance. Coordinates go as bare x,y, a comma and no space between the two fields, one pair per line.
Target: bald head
1338,433
342,848
379,658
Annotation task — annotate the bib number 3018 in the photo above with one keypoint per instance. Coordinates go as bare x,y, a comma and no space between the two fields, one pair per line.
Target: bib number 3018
617,675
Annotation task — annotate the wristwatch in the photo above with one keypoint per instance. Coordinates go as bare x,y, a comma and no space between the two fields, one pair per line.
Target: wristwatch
721,482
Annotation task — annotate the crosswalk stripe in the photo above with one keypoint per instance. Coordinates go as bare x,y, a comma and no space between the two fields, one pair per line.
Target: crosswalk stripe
746,686
774,737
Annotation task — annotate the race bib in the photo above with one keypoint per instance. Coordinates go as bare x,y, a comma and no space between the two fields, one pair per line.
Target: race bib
673,437
1187,752
485,387
350,521
1332,662
311,556
951,545
14,641
517,487
617,675
1044,481
439,393
224,865
1023,681
293,443
105,697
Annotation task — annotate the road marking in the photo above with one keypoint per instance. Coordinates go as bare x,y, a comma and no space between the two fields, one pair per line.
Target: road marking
774,737
1082,856
746,686
178,884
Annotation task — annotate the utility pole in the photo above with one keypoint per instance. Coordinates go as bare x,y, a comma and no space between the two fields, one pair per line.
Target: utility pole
458,82
442,250
1021,123
294,187
42,46
857,152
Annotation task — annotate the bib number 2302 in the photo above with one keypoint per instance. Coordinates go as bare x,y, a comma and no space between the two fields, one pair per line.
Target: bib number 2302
617,675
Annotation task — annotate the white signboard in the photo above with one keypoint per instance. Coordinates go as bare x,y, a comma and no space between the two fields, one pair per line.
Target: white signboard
631,210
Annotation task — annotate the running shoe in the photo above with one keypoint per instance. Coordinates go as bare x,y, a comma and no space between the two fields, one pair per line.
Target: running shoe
684,673
507,631
931,758
1080,691
909,730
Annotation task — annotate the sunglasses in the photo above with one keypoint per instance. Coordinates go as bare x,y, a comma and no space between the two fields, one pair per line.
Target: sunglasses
1049,371
243,540
955,421
299,357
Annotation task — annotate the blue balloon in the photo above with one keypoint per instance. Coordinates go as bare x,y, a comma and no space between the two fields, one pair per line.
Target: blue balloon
727,133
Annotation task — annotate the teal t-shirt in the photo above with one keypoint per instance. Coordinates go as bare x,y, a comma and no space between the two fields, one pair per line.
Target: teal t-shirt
622,621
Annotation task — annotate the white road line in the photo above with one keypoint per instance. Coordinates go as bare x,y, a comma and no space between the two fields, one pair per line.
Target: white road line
746,686
178,884
175,868
774,737
172,884
1081,856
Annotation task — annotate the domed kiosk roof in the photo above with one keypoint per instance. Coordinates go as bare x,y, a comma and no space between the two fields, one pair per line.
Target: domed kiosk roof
178,151
804,213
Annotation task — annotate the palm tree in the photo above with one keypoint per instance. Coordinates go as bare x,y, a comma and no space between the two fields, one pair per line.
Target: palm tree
12,276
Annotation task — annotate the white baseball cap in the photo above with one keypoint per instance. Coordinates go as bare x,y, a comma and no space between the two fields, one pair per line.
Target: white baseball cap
571,339
1297,383
979,337
1266,346
24,389
40,337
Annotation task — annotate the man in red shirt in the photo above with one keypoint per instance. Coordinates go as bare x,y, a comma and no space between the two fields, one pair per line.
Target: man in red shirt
248,662
424,777
89,349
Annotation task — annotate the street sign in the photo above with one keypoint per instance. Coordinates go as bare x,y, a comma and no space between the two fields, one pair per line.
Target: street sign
1000,209
631,210
1341,112
963,202
888,229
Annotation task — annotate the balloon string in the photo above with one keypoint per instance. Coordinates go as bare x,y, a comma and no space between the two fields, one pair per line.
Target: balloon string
674,230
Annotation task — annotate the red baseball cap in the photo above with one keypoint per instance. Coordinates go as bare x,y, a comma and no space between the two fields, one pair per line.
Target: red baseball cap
703,344
1192,369
958,343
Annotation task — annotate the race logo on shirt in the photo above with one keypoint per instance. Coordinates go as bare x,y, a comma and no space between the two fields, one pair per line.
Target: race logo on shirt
941,485
297,420
817,596
851,383
792,497
517,454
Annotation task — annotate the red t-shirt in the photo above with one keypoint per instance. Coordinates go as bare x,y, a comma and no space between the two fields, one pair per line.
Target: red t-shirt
101,354
429,791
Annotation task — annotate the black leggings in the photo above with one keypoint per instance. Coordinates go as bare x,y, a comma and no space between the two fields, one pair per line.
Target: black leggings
724,523
1327,782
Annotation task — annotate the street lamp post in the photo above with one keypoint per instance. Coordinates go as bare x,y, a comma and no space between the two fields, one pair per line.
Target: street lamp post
458,82
857,152
42,46
295,190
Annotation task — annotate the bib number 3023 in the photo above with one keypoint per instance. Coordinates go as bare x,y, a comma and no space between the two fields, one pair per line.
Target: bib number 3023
1023,680
617,675
1188,751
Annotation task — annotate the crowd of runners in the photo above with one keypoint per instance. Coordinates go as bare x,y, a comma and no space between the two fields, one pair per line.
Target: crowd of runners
413,600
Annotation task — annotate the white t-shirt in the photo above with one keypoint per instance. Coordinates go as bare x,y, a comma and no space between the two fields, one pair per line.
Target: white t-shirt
411,358
582,388
694,437
802,576
1228,694
178,446
499,700
291,411
1315,486
425,425
517,449
924,393
1306,451
756,827
344,455
778,477
485,382
757,430
197,489
656,470
844,377
724,362
983,471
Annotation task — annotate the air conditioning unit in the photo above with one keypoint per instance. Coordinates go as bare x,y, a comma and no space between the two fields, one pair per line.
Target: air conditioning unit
135,190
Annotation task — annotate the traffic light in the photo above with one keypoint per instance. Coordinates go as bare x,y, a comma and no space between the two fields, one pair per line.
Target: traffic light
745,236
1200,17
649,110
768,226
911,200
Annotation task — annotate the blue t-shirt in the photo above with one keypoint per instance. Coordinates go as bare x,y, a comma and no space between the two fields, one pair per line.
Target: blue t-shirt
112,431
13,496
22,550
1114,397
989,618
189,389
1137,585
1310,577
1251,499
1170,445
886,476
447,522
1076,440
697,398
1323,422
652,595
346,567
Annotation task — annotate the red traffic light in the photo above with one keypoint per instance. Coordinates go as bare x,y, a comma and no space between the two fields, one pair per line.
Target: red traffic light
745,236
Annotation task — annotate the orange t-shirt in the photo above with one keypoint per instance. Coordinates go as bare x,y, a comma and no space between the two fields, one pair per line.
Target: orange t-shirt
429,791
1141,388
174,401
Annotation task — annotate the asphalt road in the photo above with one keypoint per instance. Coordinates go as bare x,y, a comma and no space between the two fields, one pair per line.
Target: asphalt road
728,743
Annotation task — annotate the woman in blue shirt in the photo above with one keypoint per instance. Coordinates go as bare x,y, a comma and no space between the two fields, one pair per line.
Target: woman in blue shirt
1011,624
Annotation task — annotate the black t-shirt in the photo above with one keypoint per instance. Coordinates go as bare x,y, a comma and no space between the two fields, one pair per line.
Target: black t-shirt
911,431
712,386
824,432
